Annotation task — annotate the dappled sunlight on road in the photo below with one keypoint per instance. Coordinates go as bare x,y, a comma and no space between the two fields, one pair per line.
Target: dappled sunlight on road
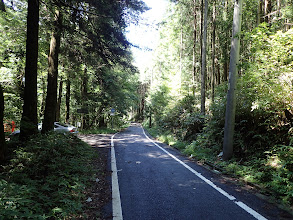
157,155
97,140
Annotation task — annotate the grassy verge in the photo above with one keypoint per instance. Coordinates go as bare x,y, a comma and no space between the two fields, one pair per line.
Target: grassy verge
45,178
166,137
99,131
104,130
272,172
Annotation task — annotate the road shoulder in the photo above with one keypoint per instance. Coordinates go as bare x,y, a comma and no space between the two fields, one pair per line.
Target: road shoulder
98,195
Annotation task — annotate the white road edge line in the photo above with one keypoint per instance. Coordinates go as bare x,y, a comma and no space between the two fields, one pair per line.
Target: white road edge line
116,202
232,198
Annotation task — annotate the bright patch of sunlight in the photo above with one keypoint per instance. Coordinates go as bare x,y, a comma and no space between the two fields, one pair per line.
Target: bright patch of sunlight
172,143
255,105
145,35
175,84
248,178
158,155
274,161
5,74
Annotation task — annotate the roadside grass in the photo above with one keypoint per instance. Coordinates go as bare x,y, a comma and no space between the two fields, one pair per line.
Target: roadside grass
45,178
166,137
270,171
104,130
99,131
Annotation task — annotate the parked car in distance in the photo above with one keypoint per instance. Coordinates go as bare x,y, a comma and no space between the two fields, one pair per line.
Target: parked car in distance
58,127
65,128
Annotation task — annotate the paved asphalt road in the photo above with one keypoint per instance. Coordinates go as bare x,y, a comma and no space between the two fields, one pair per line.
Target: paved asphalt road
155,184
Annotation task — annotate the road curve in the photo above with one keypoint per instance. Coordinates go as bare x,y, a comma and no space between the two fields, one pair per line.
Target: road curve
157,182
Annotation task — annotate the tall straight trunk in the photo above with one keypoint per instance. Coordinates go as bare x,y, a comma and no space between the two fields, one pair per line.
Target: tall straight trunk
150,117
233,71
226,69
278,6
51,99
180,58
203,59
101,121
218,74
213,52
29,120
2,6
2,134
268,10
67,100
84,98
43,103
201,27
226,44
194,48
59,101
259,13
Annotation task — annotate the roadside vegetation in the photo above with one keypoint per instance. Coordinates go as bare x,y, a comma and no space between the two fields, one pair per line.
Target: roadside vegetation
269,171
114,127
45,177
181,96
263,134
60,63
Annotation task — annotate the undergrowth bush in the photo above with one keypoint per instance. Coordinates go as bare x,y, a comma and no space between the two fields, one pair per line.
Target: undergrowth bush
184,119
45,178
99,131
264,96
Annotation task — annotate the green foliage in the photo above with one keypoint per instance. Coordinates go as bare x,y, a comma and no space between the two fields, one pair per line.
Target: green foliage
272,170
184,119
264,92
158,100
45,178
194,150
12,62
117,128
166,137
263,133
100,45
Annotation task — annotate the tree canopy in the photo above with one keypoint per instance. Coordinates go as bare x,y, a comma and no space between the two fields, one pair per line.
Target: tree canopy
93,49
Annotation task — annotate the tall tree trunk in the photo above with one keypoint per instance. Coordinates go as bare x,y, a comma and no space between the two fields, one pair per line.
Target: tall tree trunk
203,59
67,100
218,73
194,47
29,120
2,134
213,52
180,59
260,13
226,68
268,10
2,6
150,117
100,120
233,71
51,99
201,29
84,98
59,101
226,44
43,103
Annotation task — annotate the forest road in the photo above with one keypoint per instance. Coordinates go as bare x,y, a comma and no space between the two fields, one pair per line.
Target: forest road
157,182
